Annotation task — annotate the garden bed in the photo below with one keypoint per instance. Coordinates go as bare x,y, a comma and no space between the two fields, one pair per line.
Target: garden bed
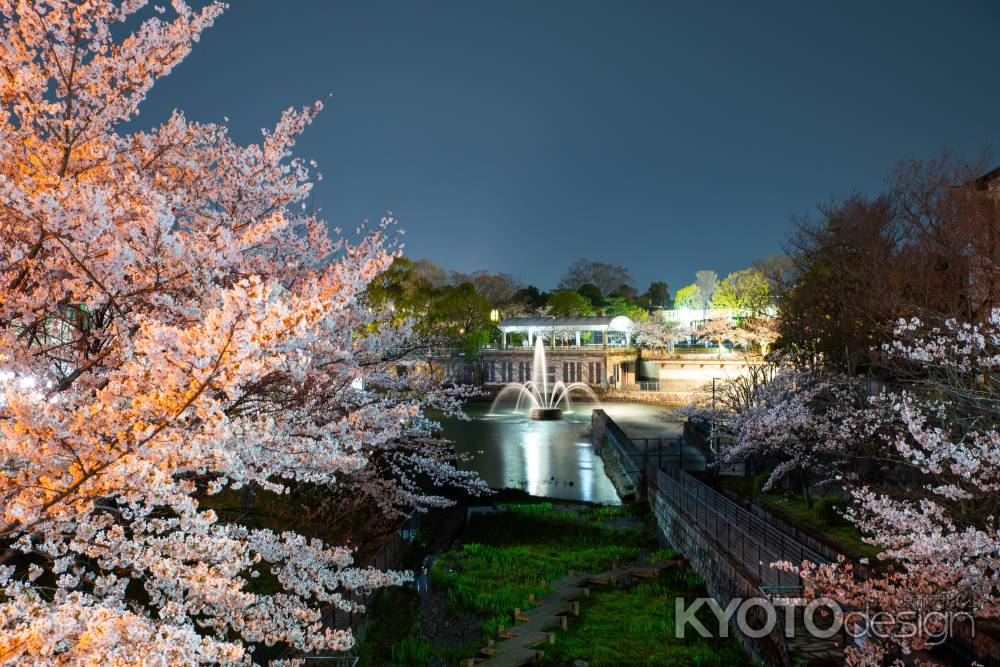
506,557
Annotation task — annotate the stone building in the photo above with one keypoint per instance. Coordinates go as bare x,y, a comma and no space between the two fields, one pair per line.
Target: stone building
594,350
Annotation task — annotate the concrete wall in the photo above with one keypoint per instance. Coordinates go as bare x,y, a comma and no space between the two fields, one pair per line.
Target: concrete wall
724,578
686,375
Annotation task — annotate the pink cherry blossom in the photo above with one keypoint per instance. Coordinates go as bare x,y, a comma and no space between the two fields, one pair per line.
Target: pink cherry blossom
172,321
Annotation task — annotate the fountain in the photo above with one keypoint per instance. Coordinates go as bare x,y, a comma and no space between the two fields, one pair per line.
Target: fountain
544,402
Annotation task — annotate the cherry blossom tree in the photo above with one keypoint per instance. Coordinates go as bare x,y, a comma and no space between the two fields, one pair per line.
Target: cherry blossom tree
175,322
721,329
797,417
935,520
762,331
659,334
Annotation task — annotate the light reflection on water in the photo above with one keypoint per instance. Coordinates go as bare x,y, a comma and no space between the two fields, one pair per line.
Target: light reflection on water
548,458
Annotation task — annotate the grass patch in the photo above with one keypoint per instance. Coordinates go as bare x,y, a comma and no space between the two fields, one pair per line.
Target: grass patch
635,627
509,555
841,535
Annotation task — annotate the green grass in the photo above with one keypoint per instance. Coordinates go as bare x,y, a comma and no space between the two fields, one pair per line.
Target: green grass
636,626
508,556
845,538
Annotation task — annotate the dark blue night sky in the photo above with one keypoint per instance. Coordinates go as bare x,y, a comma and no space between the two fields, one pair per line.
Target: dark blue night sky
668,137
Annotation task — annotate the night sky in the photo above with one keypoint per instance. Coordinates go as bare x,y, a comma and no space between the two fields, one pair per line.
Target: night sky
665,136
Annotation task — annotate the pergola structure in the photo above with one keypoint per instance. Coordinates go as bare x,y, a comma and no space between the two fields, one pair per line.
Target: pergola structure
547,328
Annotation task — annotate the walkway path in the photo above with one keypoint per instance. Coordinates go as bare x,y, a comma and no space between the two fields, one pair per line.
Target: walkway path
517,647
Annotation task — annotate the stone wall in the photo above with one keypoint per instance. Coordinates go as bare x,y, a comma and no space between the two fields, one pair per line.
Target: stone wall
724,579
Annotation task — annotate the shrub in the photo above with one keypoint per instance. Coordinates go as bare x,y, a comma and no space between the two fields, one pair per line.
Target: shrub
829,511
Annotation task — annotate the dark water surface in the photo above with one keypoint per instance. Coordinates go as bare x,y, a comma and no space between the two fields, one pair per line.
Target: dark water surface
548,458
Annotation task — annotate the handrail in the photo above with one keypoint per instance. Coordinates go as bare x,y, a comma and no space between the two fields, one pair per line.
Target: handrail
739,534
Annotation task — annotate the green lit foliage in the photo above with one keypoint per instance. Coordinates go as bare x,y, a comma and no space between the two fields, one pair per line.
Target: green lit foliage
619,305
567,303
454,314
688,297
745,290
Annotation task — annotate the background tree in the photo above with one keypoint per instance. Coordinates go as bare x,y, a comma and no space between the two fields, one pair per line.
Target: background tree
708,282
745,291
657,295
619,305
531,299
608,278
500,289
428,273
845,292
927,247
591,292
459,315
443,315
567,303
689,297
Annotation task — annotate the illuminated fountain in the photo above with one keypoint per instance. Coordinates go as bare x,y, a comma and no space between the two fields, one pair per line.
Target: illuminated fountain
541,400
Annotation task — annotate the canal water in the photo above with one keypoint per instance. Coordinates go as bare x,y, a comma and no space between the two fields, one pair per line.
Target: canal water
549,458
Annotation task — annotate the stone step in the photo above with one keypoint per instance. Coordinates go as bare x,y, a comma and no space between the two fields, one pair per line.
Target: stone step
652,571
524,640
549,607
515,658
539,623
569,593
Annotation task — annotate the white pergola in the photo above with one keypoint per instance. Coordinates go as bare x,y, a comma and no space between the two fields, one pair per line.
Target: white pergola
548,327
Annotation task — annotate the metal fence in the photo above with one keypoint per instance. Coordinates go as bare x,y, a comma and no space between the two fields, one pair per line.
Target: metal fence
387,557
743,536
739,534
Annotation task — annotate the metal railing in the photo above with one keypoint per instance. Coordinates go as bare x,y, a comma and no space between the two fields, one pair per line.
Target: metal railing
743,536
739,534
387,557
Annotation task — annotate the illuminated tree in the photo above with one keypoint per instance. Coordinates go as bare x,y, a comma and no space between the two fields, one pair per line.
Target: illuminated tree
659,334
688,297
708,283
173,323
722,329
932,505
745,290
567,303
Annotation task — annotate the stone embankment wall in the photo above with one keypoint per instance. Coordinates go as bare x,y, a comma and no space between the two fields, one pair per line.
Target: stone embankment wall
725,579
